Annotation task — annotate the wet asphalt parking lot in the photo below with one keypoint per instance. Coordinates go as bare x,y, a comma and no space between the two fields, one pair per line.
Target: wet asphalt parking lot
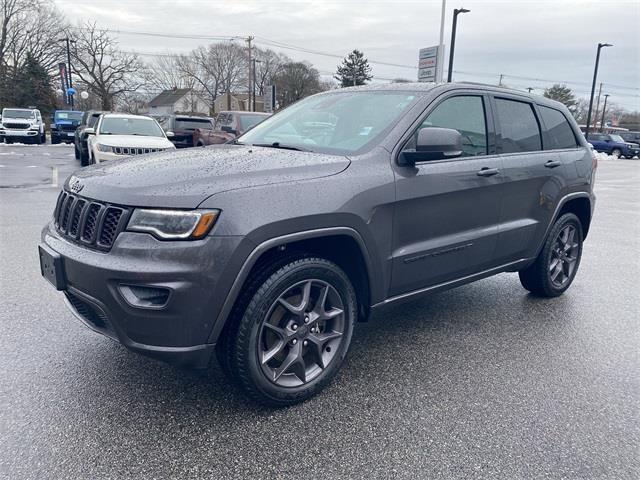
483,381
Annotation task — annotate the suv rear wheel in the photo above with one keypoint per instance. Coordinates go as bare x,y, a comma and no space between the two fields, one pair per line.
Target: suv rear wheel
557,264
294,333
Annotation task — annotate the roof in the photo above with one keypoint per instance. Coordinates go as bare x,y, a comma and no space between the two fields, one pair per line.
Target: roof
125,115
169,97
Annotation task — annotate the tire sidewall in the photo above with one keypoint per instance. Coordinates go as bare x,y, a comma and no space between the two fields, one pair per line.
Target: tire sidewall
563,221
259,307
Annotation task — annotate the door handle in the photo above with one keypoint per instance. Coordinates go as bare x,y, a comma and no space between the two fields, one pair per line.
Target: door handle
552,164
488,172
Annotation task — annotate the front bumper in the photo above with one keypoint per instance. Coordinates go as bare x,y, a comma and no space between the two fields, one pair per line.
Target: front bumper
5,132
176,331
63,136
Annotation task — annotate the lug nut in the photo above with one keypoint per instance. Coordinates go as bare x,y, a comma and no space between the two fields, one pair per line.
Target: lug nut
306,319
305,343
294,341
294,326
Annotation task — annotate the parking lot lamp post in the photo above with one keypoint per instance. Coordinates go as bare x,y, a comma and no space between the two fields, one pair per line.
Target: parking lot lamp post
70,82
593,86
604,108
452,47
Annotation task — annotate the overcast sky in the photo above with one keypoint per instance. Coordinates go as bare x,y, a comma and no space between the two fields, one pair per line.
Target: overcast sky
547,40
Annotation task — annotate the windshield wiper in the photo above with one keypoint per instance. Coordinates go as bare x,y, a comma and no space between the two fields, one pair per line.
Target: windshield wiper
279,145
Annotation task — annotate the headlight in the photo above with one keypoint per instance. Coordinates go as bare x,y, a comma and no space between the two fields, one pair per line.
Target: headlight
103,148
173,224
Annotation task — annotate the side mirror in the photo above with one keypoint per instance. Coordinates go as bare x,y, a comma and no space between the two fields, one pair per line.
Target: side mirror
228,129
433,143
170,134
89,131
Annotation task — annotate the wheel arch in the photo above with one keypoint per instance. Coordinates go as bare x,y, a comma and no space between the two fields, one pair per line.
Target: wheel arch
581,208
342,245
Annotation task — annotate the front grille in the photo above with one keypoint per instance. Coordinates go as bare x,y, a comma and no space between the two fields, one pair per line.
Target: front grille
135,150
88,222
91,313
16,126
68,128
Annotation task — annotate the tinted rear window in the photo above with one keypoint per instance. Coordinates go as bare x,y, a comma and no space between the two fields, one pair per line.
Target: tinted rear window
519,128
559,132
192,123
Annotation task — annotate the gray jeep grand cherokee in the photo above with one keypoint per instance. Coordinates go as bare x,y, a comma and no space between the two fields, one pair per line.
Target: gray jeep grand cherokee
268,250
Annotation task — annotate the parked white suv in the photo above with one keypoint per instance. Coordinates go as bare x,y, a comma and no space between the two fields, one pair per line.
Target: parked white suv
118,135
22,125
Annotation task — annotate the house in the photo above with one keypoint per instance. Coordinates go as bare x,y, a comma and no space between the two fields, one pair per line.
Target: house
178,100
236,102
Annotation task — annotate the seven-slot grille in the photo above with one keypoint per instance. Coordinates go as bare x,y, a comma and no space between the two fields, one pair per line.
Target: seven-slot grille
16,126
135,150
90,223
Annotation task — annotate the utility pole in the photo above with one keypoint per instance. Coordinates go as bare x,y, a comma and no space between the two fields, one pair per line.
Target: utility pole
598,104
69,80
529,89
500,82
593,86
604,108
249,40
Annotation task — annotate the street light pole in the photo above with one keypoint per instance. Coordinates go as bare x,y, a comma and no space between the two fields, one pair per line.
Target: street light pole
604,108
593,86
440,56
452,47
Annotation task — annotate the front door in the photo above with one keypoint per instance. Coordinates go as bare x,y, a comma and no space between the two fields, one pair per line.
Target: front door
447,211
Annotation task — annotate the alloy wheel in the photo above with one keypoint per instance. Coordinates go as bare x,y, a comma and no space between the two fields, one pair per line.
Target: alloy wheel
564,256
301,333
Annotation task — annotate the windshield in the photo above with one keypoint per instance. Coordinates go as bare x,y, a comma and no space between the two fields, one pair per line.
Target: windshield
145,127
73,116
192,123
616,138
9,113
338,123
249,121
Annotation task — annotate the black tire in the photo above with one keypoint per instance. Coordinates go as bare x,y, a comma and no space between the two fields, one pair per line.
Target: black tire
8,140
628,157
44,138
56,140
76,153
37,140
616,152
538,278
246,335
84,158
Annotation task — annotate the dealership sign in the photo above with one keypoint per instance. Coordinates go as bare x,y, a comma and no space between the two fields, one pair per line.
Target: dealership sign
427,64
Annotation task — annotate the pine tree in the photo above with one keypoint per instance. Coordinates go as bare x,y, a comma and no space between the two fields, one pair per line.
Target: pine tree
562,94
354,70
33,87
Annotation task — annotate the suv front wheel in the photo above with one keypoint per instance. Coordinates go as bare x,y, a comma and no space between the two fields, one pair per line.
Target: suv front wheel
294,333
557,264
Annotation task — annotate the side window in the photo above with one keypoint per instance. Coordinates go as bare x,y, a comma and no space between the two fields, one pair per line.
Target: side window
464,114
559,131
520,131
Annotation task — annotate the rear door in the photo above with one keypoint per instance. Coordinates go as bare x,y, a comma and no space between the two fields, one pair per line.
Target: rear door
536,165
447,211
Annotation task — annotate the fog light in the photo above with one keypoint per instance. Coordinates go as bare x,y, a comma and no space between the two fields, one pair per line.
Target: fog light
145,297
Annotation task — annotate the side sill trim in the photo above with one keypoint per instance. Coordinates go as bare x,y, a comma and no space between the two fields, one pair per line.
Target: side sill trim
451,283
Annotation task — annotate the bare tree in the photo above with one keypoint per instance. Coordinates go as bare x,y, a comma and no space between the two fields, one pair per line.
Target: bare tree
268,65
165,72
29,28
217,69
107,71
295,81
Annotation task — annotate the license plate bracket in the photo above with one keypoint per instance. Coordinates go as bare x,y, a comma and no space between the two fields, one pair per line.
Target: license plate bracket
52,267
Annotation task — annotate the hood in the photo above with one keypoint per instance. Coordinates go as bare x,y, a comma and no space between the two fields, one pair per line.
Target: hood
133,141
185,178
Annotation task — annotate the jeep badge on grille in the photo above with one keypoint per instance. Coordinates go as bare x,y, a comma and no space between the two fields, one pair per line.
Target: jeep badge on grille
75,185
